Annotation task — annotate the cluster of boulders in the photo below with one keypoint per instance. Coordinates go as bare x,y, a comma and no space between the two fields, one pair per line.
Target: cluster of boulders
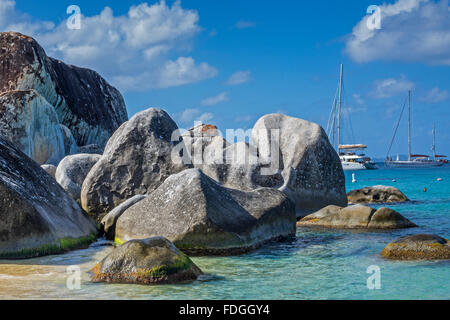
70,160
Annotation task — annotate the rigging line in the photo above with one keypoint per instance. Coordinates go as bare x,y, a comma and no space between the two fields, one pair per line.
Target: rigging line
396,129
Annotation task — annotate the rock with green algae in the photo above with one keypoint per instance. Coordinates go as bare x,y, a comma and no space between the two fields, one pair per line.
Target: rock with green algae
418,247
149,261
356,217
37,217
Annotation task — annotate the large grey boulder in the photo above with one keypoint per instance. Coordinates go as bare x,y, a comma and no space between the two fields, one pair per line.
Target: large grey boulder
418,247
37,217
108,223
84,102
31,123
137,159
91,149
72,171
149,262
235,166
202,217
311,172
356,217
376,194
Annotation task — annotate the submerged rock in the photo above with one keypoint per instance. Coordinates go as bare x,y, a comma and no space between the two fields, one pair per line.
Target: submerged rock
37,217
31,123
202,217
84,102
311,171
418,247
137,159
72,171
356,217
50,169
376,194
150,261
108,223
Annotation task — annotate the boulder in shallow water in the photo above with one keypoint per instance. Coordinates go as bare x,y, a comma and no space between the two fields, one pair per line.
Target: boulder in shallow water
37,217
149,262
31,123
137,159
356,217
202,217
108,223
312,174
376,194
72,171
418,247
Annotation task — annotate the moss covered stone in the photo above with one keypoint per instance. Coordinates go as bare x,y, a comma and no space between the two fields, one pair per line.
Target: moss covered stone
150,261
418,247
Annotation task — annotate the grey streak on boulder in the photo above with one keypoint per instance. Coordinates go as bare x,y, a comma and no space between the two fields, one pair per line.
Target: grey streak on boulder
204,218
70,145
31,123
36,213
91,149
50,169
148,262
72,171
137,159
108,223
312,174
90,107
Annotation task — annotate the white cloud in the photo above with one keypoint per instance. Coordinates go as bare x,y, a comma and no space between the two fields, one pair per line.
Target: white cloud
242,24
134,51
411,30
189,116
239,78
436,95
359,100
390,87
212,101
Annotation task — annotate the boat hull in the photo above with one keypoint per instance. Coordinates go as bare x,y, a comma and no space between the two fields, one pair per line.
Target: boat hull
413,164
353,166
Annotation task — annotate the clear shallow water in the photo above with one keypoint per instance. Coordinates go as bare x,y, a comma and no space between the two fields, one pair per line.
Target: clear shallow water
317,264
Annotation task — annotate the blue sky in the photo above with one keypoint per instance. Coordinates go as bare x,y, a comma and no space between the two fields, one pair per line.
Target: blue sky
230,62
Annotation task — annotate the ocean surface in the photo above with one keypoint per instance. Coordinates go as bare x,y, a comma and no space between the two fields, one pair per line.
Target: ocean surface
316,264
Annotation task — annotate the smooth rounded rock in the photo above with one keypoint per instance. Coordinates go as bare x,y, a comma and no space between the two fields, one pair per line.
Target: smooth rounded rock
376,194
72,171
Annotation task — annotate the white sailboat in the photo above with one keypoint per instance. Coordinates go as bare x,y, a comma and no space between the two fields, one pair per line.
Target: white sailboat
351,155
414,160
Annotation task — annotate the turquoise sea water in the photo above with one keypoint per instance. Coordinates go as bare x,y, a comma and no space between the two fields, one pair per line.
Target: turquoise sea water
317,264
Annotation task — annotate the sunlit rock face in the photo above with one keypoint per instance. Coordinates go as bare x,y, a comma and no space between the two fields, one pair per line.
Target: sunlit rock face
84,102
31,123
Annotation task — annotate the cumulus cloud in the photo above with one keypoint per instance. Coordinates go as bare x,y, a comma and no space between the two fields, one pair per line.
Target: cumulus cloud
189,116
212,101
239,78
134,51
411,30
391,87
436,95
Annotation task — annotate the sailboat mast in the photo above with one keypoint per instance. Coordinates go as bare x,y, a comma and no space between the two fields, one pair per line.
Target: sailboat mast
409,125
340,106
434,142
